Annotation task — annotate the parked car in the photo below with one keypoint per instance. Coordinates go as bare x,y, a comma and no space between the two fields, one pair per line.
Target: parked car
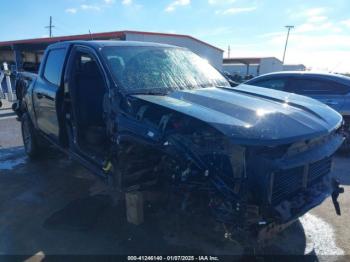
331,89
145,115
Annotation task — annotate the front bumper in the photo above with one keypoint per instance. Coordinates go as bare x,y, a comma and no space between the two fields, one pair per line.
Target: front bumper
305,200
288,211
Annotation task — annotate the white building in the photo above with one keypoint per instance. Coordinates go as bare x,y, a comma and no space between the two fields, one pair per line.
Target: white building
27,51
299,67
251,65
209,52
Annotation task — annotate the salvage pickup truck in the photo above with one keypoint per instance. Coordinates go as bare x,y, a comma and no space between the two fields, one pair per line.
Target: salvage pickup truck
143,115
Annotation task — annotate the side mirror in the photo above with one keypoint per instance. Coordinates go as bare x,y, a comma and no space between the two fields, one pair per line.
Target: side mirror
233,83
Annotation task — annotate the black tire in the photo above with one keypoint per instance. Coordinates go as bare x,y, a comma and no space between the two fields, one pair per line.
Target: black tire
30,137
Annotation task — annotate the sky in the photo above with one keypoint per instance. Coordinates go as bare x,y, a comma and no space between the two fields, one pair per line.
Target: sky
320,39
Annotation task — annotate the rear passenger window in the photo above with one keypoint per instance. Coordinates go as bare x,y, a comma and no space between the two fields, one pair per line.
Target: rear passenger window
54,65
278,84
317,87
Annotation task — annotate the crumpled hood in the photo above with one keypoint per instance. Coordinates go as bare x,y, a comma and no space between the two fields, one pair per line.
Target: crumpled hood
253,115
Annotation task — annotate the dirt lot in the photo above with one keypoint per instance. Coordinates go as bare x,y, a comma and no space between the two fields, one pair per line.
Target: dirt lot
47,207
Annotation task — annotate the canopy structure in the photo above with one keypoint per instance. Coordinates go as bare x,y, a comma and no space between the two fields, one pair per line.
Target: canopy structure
18,52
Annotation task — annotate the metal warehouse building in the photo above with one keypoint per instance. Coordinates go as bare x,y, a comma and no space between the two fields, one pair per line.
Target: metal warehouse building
298,67
27,53
254,66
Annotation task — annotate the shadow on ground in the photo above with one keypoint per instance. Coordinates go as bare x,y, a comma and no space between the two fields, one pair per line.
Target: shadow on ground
46,206
160,234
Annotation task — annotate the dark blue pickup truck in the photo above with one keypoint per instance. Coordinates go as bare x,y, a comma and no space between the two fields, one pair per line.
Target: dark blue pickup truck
145,115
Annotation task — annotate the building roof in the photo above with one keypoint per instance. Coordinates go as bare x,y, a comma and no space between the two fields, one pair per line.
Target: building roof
103,43
246,60
97,36
294,65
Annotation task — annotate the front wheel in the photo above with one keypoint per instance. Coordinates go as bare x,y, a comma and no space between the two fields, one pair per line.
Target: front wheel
30,137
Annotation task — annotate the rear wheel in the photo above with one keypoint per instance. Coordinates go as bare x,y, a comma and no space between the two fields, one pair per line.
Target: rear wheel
30,137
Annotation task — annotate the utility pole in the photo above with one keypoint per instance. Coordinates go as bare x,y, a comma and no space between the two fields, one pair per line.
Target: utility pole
289,27
50,26
91,38
229,52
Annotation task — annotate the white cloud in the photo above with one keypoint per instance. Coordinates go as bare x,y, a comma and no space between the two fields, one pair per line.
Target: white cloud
314,11
271,34
312,27
173,5
91,7
103,4
306,28
317,19
346,23
71,10
217,2
236,10
298,13
315,15
127,2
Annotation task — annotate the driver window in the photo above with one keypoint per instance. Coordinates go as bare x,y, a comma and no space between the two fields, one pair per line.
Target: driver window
89,89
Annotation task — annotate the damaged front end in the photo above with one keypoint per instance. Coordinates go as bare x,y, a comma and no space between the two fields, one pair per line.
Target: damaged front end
256,189
259,190
288,181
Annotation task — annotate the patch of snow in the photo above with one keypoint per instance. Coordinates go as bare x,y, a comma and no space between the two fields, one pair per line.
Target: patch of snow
320,236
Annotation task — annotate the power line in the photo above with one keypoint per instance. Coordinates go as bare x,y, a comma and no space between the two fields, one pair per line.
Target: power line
50,26
289,27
